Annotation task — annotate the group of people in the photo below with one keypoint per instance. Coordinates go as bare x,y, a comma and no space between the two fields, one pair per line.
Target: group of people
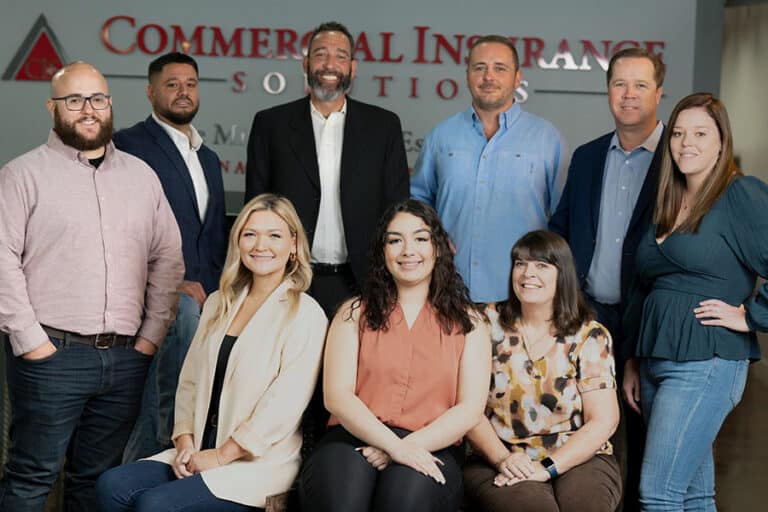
492,297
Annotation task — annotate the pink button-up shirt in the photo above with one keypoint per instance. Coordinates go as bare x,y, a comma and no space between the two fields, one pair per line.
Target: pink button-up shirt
85,250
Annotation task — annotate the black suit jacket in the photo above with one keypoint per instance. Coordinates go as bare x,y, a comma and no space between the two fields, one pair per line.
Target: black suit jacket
374,170
578,213
204,243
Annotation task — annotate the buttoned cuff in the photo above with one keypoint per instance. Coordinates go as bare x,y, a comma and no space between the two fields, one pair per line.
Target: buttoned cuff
28,339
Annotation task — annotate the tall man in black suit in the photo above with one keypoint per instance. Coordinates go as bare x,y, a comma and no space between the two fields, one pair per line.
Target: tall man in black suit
341,162
190,173
605,210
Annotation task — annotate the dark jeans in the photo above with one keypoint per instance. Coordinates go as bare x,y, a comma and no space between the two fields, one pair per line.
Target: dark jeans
154,426
80,402
594,486
336,478
151,486
629,439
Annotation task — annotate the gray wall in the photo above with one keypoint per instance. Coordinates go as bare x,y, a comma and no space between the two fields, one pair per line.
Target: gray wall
581,114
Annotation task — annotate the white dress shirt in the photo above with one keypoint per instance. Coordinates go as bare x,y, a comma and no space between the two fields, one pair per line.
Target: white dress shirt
329,244
188,150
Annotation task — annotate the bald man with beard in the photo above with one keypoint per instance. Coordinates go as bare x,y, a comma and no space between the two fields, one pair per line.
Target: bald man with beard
91,264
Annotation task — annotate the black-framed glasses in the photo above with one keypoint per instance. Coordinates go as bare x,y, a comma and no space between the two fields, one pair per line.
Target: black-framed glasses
76,102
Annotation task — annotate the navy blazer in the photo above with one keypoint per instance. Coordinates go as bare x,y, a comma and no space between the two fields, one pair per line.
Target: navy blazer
578,213
374,170
204,243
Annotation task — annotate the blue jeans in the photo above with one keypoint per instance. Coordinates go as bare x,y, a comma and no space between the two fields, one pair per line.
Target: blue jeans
79,402
154,426
684,404
151,486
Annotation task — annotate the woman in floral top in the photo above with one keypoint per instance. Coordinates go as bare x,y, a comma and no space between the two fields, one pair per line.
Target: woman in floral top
552,403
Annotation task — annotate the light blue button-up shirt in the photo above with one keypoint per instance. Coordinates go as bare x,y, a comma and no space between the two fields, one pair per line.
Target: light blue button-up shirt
489,193
623,178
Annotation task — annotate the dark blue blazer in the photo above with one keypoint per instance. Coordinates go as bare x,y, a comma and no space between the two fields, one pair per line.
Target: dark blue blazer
577,215
204,243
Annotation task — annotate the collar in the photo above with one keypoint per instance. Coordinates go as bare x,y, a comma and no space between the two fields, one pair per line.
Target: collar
55,143
649,144
315,112
178,137
506,118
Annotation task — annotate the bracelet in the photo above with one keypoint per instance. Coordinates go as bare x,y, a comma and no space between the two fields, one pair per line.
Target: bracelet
498,462
218,461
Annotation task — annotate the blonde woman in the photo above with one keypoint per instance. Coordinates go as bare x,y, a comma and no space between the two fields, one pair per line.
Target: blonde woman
247,379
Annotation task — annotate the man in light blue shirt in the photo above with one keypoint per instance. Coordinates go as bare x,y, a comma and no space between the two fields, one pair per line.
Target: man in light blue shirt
493,172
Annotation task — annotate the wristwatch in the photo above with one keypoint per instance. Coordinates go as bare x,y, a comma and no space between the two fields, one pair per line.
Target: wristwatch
549,465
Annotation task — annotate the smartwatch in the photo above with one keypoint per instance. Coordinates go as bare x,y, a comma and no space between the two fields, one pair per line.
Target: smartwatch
549,465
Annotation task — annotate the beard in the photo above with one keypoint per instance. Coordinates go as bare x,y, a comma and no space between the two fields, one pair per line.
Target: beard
177,118
68,134
324,93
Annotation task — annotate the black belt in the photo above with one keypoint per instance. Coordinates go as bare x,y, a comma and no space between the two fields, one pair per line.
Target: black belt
100,341
328,269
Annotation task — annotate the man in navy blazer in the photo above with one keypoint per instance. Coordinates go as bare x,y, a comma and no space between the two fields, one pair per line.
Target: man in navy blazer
190,174
605,210
341,162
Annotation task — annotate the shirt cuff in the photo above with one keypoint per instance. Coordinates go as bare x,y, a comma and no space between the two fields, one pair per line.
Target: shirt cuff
153,331
250,441
28,339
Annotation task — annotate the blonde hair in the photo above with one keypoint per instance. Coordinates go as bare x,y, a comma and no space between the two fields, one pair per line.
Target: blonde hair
236,277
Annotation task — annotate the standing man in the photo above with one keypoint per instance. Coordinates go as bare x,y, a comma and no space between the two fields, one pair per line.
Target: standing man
90,261
341,162
191,177
492,172
606,209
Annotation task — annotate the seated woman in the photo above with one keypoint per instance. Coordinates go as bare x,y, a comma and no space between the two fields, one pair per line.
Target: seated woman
552,404
406,372
246,380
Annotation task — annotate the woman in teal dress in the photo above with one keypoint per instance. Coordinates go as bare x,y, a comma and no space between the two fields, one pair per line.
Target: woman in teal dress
692,315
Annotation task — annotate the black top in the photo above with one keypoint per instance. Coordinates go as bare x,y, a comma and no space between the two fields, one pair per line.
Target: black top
720,261
96,162
209,436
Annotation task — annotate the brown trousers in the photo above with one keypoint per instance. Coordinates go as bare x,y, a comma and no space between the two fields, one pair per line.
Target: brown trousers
594,486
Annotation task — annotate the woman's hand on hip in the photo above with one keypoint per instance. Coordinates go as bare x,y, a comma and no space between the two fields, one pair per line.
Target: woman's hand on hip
719,313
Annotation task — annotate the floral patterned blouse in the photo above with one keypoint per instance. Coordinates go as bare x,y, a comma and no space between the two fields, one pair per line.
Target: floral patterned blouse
535,406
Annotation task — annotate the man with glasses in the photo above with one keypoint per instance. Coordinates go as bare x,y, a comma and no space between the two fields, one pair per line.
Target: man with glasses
90,261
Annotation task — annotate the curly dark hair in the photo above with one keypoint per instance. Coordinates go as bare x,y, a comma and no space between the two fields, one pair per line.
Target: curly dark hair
448,295
569,309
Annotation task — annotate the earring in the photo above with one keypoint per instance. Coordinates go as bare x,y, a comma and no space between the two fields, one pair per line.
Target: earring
292,257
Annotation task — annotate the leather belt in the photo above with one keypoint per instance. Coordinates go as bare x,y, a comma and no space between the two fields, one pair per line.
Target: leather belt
100,341
328,269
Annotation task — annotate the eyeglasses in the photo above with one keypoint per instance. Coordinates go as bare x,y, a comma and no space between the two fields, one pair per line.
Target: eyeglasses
76,102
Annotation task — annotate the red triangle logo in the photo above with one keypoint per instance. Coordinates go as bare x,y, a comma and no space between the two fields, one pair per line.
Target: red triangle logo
42,61
38,57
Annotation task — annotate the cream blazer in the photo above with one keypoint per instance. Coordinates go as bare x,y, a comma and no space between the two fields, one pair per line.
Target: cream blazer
270,378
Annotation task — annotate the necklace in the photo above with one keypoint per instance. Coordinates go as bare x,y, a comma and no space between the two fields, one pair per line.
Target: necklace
536,346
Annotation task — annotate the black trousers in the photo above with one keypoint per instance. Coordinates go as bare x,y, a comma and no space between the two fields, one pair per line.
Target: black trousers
336,478
629,439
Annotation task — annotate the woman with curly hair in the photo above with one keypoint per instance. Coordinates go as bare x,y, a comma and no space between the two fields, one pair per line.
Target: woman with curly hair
246,380
406,373
552,404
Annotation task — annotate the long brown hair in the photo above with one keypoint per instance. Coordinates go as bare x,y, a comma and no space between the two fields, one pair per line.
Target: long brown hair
569,308
672,182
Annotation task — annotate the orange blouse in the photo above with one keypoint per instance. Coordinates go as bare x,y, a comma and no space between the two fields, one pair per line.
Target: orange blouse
408,377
